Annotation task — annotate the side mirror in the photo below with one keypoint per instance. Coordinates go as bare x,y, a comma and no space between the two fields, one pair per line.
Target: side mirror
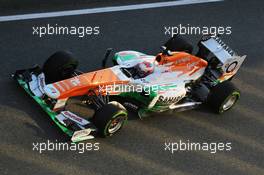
165,51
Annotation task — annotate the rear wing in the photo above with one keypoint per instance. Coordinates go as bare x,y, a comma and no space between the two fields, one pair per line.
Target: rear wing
229,60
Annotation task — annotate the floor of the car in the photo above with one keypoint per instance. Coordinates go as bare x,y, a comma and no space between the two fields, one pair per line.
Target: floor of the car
79,108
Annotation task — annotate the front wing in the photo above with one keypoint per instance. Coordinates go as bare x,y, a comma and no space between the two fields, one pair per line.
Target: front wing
57,117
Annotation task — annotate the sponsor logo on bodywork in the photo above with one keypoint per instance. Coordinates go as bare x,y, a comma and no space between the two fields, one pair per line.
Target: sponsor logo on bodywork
224,46
182,60
170,100
75,81
75,118
51,91
41,82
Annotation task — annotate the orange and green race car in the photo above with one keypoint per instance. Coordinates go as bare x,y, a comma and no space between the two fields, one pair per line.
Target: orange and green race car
87,104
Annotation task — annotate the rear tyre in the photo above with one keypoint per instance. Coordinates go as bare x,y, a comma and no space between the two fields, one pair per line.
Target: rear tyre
110,119
178,43
223,97
59,66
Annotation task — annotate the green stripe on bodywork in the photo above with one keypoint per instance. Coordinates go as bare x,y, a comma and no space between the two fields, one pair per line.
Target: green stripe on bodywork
45,107
125,57
146,100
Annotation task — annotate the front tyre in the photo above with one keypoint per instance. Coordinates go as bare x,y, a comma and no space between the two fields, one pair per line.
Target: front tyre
110,119
59,66
223,97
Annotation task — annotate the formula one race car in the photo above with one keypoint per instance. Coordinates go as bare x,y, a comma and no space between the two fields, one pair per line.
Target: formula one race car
86,104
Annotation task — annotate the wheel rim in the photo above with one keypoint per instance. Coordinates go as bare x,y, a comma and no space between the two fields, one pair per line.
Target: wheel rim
115,124
229,102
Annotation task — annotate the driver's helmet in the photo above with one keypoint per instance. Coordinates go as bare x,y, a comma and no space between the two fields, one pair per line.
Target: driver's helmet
145,68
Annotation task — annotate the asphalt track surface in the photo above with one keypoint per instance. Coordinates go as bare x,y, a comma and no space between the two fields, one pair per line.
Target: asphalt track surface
139,148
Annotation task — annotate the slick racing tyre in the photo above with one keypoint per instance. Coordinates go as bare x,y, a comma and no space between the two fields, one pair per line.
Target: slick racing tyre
178,43
110,119
59,66
223,97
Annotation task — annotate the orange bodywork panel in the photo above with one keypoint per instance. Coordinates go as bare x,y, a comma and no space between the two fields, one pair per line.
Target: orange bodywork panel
226,76
80,85
182,61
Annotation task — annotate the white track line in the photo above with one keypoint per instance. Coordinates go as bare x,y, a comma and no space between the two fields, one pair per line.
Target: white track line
102,10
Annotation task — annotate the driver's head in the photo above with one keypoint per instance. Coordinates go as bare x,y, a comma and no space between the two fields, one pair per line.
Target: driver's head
145,68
